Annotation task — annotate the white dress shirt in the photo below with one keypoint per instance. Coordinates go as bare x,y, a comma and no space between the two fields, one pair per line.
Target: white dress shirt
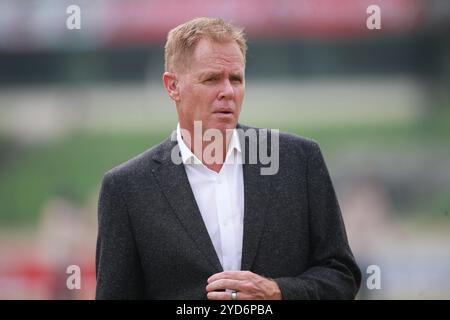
220,198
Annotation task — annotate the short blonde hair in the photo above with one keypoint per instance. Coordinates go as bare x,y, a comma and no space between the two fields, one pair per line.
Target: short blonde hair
182,40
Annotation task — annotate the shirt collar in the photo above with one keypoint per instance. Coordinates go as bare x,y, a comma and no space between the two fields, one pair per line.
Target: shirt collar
189,158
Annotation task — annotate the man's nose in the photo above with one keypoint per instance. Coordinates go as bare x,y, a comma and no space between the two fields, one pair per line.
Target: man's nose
226,90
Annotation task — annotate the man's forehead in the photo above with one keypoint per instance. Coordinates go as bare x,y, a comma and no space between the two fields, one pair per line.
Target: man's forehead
218,65
213,51
219,70
218,61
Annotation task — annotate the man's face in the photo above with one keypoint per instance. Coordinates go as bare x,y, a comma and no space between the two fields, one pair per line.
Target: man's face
211,87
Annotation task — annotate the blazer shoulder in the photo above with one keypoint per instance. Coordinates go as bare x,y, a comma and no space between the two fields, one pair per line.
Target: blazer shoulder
140,164
298,147
289,143
297,140
285,137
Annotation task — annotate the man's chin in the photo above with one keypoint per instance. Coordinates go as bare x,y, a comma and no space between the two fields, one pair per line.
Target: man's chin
224,125
221,124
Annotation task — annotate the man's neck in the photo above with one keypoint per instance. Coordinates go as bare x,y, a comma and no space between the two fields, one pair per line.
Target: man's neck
193,142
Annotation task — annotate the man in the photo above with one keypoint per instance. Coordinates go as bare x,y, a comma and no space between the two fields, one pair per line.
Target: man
212,226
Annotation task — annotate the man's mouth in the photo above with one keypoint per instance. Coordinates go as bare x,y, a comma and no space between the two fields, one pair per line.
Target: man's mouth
224,111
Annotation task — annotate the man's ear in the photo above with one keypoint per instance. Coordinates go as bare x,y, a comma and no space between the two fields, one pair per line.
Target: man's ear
171,85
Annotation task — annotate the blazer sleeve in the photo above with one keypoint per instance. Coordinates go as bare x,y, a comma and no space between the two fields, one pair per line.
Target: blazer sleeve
118,269
332,272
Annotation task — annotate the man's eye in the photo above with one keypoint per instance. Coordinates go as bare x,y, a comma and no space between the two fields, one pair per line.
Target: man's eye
211,79
239,80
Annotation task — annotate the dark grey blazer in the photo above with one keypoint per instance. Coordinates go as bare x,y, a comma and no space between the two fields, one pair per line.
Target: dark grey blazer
152,242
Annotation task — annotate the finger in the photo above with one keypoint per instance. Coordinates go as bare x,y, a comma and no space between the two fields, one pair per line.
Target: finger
223,284
214,295
235,275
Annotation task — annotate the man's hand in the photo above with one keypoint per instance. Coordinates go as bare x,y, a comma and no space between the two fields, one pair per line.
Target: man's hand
248,285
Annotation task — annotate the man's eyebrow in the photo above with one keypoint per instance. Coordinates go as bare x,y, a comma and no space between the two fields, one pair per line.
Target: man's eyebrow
211,74
208,74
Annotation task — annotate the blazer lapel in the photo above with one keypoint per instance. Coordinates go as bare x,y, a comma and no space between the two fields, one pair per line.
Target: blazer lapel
175,185
256,195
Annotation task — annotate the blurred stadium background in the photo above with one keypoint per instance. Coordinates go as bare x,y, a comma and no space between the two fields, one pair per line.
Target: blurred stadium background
75,103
